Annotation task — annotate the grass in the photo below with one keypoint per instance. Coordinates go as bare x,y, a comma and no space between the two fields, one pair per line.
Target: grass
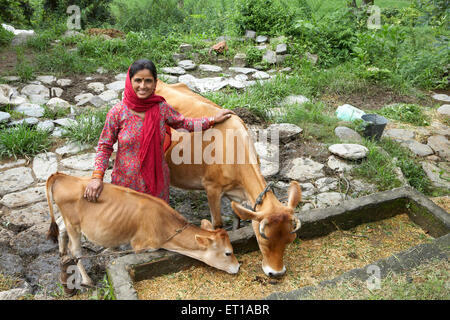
409,113
23,141
88,127
428,281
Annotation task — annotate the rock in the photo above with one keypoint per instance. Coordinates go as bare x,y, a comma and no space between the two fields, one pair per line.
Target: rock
15,179
116,86
242,70
4,117
266,150
270,57
204,84
440,145
21,39
46,125
250,34
28,216
262,47
261,39
326,184
33,241
55,103
347,135
35,89
83,98
281,48
419,149
84,162
72,148
349,151
312,57
27,121
329,199
302,169
57,92
168,78
359,186
444,110
240,60
72,33
261,75
101,70
38,99
299,99
308,189
178,56
339,165
269,168
11,78
15,294
64,82
241,77
441,97
121,77
435,174
22,198
187,65
96,101
97,87
44,273
17,163
65,122
46,79
185,47
44,164
11,265
210,68
237,84
286,131
399,134
281,58
439,128
174,70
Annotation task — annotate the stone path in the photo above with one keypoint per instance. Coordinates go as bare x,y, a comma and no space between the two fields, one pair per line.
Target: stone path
24,221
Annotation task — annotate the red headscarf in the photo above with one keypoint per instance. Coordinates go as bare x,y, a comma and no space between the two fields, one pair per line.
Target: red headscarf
150,151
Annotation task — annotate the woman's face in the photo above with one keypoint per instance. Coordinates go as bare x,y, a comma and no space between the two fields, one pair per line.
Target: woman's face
143,83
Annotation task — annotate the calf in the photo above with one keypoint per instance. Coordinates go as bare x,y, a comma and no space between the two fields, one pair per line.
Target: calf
122,216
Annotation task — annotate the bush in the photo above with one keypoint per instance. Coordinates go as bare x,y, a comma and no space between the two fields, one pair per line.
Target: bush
23,141
5,37
88,128
409,113
263,16
16,12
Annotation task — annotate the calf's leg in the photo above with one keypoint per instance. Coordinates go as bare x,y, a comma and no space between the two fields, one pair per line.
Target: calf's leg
75,249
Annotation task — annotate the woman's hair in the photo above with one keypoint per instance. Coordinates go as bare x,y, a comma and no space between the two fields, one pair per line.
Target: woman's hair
141,65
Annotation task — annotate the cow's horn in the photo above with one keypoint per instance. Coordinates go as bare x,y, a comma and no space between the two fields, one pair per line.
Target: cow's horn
298,224
262,225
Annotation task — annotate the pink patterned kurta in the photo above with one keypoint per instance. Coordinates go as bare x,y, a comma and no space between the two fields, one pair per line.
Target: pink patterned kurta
122,125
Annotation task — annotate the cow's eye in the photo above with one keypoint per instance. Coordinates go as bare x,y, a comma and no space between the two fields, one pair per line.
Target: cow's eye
228,254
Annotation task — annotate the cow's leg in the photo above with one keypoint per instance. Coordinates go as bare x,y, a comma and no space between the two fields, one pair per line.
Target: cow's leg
214,194
63,238
75,249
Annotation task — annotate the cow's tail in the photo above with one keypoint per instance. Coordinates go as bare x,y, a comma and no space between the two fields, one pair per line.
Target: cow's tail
53,231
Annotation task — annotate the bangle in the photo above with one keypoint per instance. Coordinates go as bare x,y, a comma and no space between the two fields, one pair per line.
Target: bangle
97,174
211,121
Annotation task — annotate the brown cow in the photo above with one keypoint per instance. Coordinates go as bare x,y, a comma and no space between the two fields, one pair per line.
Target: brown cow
274,224
122,216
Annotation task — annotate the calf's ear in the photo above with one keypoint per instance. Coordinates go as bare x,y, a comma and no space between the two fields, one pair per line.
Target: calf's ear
295,194
207,225
203,242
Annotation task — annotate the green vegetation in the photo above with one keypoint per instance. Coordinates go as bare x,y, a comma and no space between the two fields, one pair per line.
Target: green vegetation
428,281
88,127
409,113
23,141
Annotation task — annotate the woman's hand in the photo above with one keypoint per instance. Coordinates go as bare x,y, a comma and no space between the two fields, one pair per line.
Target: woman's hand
93,190
223,115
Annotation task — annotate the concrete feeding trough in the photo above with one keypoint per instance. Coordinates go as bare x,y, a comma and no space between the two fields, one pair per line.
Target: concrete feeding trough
124,271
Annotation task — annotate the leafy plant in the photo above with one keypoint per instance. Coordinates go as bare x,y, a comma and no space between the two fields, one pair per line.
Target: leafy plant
5,37
23,141
87,128
410,113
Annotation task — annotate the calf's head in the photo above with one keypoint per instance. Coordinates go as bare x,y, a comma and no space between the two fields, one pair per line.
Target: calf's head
274,228
216,248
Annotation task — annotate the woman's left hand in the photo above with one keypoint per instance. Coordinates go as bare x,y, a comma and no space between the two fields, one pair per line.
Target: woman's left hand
223,115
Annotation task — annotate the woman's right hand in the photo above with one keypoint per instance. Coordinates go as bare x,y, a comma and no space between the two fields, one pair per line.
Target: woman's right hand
93,190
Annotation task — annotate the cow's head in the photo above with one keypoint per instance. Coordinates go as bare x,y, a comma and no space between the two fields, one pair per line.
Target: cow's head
274,228
217,249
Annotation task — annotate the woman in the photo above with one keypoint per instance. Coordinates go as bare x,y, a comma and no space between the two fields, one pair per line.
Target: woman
139,122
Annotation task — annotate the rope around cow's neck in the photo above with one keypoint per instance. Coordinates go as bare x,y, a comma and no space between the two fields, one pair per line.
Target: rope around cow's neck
178,231
259,200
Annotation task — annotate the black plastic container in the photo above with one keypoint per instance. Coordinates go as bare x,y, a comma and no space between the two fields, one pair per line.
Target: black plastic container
374,125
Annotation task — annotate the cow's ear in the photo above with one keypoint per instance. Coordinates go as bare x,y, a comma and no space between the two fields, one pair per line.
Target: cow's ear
203,242
243,213
207,225
295,194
